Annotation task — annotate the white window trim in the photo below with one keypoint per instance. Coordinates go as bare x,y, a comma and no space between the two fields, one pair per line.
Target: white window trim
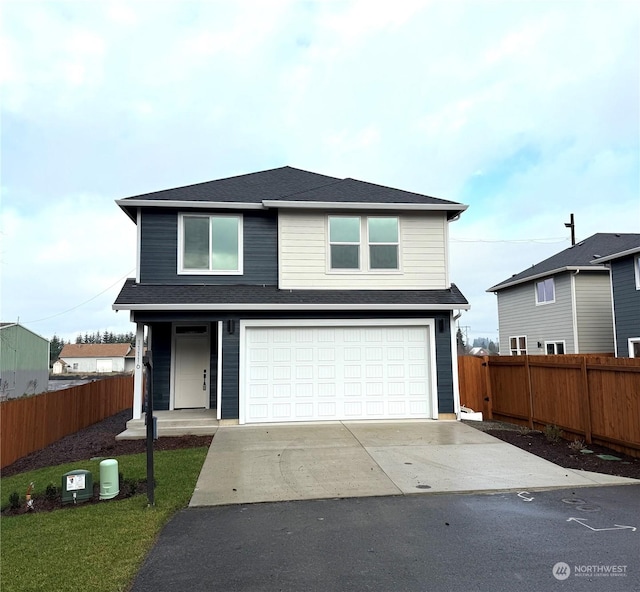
535,289
182,271
630,342
518,350
636,269
555,343
364,264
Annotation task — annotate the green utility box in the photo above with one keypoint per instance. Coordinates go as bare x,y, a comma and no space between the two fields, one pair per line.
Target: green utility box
77,486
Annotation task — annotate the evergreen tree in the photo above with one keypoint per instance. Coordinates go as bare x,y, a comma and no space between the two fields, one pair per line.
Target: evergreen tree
462,348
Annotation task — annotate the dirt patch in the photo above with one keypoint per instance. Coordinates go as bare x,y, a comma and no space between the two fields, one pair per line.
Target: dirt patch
98,440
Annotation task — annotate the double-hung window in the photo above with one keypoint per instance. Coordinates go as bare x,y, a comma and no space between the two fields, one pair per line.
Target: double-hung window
545,291
383,243
518,345
381,247
344,242
210,244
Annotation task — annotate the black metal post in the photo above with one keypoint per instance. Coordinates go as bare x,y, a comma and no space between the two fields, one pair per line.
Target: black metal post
148,396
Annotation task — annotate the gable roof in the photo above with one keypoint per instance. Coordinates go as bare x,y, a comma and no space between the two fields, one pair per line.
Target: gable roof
95,350
584,255
286,187
249,297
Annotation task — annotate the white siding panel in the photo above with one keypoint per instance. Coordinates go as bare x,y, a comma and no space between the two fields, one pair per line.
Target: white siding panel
303,258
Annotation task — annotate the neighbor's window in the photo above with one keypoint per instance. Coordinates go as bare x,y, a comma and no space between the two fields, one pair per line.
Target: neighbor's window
518,345
344,242
554,347
636,267
545,291
383,243
634,347
211,244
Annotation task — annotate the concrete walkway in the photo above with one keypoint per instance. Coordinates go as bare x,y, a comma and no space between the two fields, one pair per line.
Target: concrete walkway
279,462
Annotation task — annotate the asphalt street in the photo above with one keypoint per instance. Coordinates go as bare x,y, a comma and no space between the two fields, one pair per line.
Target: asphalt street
564,539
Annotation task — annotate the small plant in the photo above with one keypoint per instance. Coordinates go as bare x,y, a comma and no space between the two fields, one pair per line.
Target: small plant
577,445
51,492
14,500
524,430
552,433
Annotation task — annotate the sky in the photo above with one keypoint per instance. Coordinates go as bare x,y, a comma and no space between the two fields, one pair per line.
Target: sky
525,111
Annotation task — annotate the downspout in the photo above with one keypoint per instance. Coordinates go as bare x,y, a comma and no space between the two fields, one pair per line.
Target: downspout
454,365
574,312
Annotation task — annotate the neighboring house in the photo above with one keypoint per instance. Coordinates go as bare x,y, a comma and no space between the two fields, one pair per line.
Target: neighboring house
24,361
479,351
95,357
60,367
561,305
625,285
130,361
286,295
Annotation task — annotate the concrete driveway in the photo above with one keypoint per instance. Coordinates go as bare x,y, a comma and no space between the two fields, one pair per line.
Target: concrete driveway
278,462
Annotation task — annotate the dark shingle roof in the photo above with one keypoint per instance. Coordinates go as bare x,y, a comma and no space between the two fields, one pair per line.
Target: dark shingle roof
288,184
209,297
582,254
251,188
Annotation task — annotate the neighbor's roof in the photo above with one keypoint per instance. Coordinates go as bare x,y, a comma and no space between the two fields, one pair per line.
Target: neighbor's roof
287,187
95,350
232,297
582,255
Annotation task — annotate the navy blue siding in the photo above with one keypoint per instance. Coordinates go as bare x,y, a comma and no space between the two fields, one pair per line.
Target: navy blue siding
626,300
159,250
231,350
161,359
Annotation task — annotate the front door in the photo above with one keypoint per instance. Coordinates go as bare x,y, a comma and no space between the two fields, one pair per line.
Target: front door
191,367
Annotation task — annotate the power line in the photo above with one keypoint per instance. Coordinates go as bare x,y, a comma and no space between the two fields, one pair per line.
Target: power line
82,303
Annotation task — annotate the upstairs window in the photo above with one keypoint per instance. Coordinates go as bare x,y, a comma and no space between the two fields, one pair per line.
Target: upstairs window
383,243
518,345
210,244
554,347
545,291
344,242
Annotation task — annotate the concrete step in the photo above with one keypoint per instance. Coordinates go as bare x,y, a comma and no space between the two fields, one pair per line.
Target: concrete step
174,423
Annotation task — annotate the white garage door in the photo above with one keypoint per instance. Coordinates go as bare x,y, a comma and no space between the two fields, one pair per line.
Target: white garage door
104,365
309,373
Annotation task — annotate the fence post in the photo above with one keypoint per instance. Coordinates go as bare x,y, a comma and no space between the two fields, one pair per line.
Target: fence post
529,390
587,400
487,380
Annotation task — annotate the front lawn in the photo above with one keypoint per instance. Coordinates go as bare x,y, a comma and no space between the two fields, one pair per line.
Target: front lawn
97,547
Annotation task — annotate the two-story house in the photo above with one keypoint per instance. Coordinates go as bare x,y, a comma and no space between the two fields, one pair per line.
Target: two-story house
286,295
625,291
563,304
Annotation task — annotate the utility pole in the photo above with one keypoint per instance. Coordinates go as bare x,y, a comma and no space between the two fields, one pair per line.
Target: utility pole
571,224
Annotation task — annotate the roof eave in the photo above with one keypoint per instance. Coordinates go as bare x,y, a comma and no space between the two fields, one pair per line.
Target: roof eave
455,209
272,306
530,278
613,256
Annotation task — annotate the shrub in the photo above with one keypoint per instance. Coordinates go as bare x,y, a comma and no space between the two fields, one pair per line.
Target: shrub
577,445
51,492
14,500
552,433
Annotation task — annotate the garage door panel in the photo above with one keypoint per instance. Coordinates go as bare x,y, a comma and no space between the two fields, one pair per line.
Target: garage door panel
335,373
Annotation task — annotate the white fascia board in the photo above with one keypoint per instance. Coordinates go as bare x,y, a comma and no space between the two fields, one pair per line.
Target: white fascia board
284,307
537,276
355,205
202,205
632,251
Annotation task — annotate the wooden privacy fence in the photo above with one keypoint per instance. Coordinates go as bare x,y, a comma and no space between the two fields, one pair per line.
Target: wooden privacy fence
31,423
595,398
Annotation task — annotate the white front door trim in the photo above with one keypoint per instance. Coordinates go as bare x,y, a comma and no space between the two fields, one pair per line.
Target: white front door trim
429,324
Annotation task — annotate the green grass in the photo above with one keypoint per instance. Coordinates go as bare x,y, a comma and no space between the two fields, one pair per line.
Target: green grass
96,547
